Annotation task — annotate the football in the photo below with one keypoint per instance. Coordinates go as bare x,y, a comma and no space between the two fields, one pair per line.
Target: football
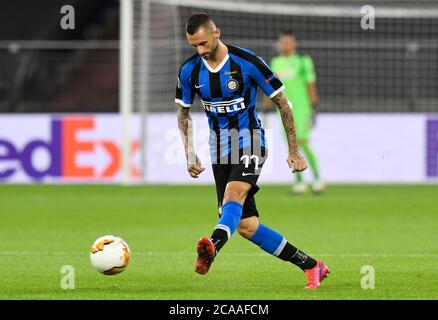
110,255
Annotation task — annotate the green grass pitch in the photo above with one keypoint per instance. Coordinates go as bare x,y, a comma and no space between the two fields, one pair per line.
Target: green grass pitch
392,228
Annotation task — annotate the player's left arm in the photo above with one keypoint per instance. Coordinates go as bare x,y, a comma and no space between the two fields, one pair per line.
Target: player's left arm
310,78
313,93
272,87
266,101
295,158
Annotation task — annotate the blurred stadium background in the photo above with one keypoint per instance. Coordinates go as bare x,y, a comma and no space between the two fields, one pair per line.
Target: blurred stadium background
378,87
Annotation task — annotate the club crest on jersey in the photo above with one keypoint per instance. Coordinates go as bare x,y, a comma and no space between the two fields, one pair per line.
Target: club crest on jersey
232,84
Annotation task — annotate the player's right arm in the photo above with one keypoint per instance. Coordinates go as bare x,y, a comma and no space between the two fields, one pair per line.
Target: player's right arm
184,99
194,166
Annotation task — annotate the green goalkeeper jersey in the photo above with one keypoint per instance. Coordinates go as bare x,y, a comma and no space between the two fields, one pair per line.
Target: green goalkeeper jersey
296,71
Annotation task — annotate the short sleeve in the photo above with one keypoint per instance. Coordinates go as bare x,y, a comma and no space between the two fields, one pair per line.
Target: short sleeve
265,78
309,69
184,92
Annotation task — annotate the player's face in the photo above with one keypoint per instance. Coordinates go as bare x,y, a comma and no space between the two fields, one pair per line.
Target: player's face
205,41
287,45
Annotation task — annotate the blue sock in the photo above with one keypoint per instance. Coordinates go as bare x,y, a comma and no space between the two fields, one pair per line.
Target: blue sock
269,240
227,225
275,244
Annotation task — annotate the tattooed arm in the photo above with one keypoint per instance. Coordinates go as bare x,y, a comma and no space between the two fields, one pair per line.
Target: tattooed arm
294,159
194,166
184,117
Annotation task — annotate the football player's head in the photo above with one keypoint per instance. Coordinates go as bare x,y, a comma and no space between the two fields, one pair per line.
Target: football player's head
203,35
287,43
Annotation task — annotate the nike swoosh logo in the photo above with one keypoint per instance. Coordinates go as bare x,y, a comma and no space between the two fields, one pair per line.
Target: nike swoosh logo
247,174
197,87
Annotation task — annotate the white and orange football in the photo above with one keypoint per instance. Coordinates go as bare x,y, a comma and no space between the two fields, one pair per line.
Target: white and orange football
110,255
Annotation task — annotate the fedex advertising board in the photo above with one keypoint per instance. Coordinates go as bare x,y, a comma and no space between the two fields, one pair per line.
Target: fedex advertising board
61,148
350,148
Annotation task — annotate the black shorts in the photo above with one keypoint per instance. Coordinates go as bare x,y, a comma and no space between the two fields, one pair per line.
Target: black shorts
246,171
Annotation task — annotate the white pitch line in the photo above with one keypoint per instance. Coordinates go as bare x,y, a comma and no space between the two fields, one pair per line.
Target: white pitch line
151,253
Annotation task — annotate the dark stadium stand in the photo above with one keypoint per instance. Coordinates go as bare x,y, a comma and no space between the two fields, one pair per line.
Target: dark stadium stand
36,78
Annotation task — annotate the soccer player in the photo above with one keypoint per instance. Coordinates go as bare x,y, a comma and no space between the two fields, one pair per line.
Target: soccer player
225,78
298,75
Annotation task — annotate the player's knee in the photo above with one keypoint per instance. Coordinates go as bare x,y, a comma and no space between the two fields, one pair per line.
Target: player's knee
248,227
235,194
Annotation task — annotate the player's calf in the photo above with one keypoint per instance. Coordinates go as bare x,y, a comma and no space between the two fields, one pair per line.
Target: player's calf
275,244
248,227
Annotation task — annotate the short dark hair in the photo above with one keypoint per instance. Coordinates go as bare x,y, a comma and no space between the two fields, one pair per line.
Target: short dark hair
288,33
196,21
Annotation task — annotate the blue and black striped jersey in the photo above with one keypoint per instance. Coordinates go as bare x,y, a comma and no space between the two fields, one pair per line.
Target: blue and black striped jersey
228,95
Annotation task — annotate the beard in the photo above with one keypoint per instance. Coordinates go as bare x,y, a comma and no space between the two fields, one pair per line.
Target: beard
210,55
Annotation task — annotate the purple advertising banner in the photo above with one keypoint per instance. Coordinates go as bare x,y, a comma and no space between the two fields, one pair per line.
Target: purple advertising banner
432,148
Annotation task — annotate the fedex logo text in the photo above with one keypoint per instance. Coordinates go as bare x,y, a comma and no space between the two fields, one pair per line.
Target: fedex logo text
64,149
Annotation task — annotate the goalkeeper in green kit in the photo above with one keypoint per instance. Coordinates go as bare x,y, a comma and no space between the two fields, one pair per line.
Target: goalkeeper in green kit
298,75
